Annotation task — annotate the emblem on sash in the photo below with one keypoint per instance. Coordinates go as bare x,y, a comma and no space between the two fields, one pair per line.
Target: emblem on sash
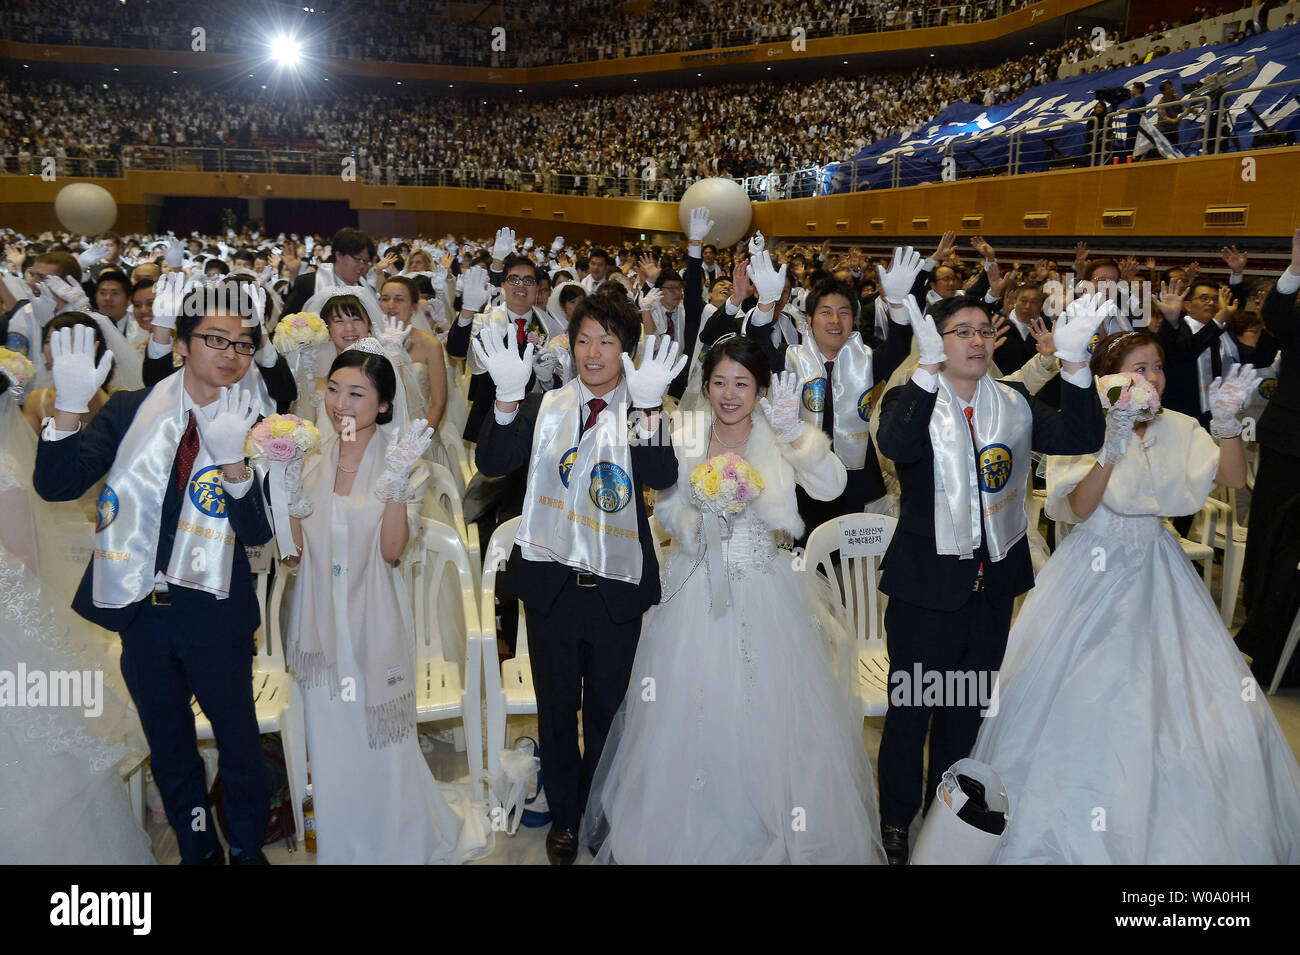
995,467
1092,342
105,508
611,488
814,395
207,494
566,465
864,405
1266,388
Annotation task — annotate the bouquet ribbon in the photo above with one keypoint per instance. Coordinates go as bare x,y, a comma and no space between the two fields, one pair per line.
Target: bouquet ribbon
280,508
719,584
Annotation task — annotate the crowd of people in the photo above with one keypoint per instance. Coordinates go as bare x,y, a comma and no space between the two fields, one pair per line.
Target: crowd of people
741,396
621,139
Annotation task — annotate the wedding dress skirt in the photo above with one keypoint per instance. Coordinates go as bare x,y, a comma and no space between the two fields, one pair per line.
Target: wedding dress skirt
1129,730
735,743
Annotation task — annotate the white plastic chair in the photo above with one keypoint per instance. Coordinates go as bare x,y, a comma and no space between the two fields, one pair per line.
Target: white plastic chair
443,691
508,687
442,486
1220,531
462,467
276,698
1288,651
855,586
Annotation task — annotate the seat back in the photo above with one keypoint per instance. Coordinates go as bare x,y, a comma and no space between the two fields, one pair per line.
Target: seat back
438,576
498,552
855,584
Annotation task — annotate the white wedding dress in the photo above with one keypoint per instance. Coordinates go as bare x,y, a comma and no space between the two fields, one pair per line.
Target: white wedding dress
1129,729
735,743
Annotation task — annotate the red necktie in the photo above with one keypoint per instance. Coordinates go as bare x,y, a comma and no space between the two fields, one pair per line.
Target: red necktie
521,322
597,405
970,422
186,453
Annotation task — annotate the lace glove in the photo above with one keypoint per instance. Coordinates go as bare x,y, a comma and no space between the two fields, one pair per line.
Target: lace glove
1119,428
404,452
1228,395
393,337
76,375
782,412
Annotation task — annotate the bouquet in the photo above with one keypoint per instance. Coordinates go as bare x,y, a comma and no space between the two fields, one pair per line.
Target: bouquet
299,330
279,444
1122,392
18,369
725,484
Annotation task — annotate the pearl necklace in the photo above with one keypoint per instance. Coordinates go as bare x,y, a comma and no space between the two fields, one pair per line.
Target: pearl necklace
713,430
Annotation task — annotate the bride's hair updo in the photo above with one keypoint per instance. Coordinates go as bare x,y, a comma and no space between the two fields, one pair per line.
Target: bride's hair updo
742,350
1108,357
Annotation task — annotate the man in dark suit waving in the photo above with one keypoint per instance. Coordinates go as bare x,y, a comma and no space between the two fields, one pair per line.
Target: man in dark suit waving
169,572
583,561
962,445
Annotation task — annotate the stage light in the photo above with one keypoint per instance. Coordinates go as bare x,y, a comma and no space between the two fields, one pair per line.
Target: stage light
286,51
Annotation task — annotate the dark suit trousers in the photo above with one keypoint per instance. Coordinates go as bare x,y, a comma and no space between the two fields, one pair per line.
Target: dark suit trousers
164,661
580,658
973,638
1276,482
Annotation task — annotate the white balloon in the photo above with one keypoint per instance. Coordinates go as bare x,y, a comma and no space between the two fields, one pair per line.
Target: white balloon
85,208
728,207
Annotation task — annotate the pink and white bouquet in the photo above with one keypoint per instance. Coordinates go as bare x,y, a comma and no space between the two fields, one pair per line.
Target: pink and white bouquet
282,437
278,445
1123,392
299,330
725,484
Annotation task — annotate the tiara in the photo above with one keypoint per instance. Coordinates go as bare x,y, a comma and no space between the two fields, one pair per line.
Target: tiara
723,338
370,346
1120,338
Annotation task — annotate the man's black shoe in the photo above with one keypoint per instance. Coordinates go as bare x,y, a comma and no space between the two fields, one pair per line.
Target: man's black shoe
895,841
561,846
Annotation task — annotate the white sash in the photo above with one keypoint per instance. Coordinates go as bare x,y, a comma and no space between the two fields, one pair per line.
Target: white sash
1004,428
130,508
1228,356
326,279
579,509
850,394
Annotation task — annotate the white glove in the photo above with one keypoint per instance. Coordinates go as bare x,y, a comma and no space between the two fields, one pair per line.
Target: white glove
528,242
73,295
898,281
394,485
546,363
1075,328
646,385
173,252
43,304
1228,395
757,244
393,336
782,412
699,225
252,300
557,244
650,299
504,246
496,351
267,277
769,283
300,505
76,376
1119,428
225,434
477,289
169,296
928,340
92,254
439,279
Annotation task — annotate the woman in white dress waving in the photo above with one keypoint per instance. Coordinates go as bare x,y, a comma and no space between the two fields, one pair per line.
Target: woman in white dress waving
1129,729
735,743
351,639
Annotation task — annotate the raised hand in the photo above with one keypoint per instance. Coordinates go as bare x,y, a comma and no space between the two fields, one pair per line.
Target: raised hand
504,245
646,385
224,435
1080,257
477,289
1170,302
648,268
1228,395
169,295
404,451
76,375
557,244
173,252
769,283
757,243
944,249
1074,329
928,340
69,292
650,299
496,351
393,335
981,246
698,225
782,412
740,285
1235,258
897,282
1043,338
95,252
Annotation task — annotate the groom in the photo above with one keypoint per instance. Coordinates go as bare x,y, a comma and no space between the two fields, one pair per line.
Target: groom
169,572
583,561
962,443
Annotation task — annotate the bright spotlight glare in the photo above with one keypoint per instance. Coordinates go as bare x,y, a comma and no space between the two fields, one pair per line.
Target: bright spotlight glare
286,51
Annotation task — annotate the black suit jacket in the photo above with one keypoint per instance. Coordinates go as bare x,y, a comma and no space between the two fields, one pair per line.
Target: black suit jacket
1182,349
506,450
1278,428
693,307
482,393
279,378
912,570
66,469
303,288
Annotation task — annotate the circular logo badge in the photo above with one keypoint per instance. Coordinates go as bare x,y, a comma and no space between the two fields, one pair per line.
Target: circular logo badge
814,395
566,465
1266,388
610,488
1092,342
207,494
864,405
105,508
995,467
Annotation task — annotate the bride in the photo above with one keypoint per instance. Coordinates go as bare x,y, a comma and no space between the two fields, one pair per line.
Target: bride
735,743
61,801
1129,730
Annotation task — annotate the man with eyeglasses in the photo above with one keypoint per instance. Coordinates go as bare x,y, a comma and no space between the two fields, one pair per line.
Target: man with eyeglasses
962,446
354,257
169,570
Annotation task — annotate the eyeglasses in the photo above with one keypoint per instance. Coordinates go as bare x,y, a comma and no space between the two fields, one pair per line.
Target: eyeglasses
1205,298
966,332
518,280
220,343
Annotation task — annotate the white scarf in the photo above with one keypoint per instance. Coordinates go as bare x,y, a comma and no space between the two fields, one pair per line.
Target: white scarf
579,509
1004,427
1228,357
130,509
850,394
326,279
